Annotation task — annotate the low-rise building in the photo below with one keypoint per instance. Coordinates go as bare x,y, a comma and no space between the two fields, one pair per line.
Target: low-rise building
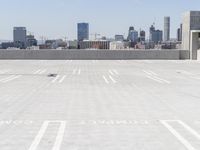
118,45
96,44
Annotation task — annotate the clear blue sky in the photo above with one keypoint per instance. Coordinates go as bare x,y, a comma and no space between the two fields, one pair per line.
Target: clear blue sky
58,18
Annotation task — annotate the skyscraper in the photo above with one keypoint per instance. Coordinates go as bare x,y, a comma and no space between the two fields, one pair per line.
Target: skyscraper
132,35
142,36
19,34
155,35
83,31
166,28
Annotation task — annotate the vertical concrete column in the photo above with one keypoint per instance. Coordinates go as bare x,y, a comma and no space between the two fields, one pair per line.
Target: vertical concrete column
194,45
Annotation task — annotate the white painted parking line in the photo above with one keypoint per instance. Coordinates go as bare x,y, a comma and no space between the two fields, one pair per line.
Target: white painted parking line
185,142
163,80
113,80
62,79
110,71
153,73
154,79
116,72
4,71
58,79
79,71
197,135
15,77
74,71
40,71
10,78
105,79
55,79
39,136
154,76
6,78
149,72
59,137
36,71
113,72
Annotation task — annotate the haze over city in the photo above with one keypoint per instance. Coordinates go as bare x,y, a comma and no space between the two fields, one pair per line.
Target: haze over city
56,19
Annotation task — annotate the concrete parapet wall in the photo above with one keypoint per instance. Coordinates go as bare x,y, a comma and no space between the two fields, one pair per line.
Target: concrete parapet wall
94,54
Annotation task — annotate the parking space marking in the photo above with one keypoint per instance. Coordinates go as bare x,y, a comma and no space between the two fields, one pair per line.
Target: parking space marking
105,79
116,72
113,72
154,76
162,80
58,79
149,72
112,79
10,78
39,136
110,71
76,71
62,79
3,79
55,79
185,142
40,71
154,79
192,131
4,71
59,137
79,71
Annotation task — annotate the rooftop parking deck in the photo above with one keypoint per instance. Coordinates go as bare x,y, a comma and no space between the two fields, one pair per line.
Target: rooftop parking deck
99,105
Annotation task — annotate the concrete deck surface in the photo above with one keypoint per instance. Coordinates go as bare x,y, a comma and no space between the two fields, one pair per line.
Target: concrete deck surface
99,105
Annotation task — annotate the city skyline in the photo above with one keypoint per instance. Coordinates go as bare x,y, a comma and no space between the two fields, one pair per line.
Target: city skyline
57,19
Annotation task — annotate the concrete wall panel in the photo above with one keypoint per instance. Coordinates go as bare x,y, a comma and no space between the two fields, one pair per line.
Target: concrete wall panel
94,54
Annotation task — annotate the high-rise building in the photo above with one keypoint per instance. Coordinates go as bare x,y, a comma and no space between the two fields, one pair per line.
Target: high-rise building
155,36
19,34
132,35
83,31
142,36
166,28
179,33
